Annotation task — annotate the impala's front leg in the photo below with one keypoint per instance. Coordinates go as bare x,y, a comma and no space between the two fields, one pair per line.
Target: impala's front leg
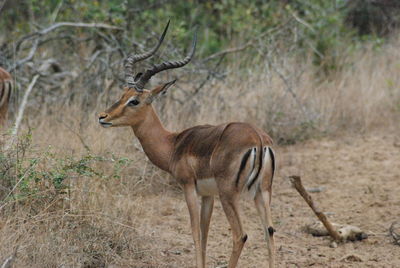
194,211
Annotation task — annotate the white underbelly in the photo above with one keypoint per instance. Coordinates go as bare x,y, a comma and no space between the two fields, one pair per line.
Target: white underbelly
207,187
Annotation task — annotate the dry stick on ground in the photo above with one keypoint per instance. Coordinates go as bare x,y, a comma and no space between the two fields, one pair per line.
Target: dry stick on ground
396,236
296,182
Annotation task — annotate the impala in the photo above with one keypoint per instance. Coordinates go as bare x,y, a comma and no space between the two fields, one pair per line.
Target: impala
227,160
5,94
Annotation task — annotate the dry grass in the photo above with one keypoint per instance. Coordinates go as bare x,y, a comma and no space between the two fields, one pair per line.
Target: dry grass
102,220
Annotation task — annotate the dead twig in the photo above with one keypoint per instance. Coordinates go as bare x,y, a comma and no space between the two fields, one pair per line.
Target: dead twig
394,234
337,231
296,182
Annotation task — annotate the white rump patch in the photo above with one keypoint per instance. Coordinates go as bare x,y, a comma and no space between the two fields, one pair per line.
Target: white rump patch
253,168
207,187
266,163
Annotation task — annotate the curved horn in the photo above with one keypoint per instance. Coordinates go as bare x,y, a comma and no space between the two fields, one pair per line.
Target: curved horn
166,65
132,59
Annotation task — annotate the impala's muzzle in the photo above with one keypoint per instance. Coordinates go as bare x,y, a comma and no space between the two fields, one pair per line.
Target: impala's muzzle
102,117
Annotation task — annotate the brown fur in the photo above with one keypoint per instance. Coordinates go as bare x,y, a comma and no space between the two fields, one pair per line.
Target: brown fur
5,94
200,153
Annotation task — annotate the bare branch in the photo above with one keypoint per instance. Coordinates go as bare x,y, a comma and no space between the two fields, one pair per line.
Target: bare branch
21,110
246,45
301,21
64,24
78,25
229,50
27,58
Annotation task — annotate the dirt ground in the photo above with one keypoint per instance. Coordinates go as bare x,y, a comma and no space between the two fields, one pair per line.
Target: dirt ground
360,178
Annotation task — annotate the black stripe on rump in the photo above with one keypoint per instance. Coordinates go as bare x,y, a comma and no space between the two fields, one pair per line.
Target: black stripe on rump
271,153
242,165
2,89
259,168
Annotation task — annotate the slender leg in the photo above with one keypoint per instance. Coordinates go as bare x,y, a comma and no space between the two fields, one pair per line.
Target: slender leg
207,204
194,211
262,202
231,208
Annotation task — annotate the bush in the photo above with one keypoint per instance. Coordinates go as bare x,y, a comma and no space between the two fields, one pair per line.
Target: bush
30,176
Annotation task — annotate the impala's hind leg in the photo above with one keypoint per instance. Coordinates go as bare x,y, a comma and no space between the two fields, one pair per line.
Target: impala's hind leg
262,201
230,205
207,204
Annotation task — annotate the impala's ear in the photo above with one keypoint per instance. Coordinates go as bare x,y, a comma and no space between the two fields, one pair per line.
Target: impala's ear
159,91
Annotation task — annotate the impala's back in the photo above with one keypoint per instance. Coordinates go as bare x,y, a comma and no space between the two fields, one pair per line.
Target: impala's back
216,154
5,94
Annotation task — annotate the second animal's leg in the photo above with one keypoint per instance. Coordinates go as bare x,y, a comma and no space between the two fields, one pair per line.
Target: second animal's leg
194,211
207,204
262,202
230,205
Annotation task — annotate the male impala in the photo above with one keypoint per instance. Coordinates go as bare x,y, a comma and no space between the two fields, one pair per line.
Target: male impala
225,160
5,94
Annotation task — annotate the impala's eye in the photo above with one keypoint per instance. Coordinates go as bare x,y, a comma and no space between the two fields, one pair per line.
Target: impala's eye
133,102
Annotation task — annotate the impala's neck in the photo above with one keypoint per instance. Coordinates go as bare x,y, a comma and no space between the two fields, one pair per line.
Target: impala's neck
157,142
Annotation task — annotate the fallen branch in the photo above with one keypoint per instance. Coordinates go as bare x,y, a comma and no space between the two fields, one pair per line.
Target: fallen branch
393,233
337,231
296,182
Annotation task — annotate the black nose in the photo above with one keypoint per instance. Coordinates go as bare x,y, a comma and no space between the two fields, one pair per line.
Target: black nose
102,116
